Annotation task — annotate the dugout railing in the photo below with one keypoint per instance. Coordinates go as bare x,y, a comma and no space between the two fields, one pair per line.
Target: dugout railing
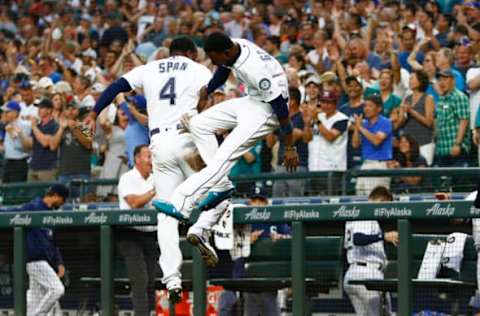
299,216
335,183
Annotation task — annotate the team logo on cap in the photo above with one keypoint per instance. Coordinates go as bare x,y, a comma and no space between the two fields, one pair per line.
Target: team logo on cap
265,84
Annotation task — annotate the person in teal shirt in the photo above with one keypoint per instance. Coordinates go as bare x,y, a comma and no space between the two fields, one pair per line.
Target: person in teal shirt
249,164
390,100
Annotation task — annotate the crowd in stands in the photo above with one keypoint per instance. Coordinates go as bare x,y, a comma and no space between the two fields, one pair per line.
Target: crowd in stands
373,84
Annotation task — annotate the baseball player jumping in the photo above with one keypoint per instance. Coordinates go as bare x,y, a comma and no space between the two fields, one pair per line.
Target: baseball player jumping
172,88
249,118
366,258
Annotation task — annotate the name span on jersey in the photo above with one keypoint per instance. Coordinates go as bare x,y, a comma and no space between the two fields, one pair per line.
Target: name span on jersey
172,66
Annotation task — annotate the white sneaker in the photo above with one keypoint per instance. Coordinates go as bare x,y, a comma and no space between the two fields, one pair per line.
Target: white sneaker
200,241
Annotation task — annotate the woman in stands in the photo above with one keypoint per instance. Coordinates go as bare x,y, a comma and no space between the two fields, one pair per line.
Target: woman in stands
408,155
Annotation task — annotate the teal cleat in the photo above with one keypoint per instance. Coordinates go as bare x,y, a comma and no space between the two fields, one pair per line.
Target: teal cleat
168,209
213,199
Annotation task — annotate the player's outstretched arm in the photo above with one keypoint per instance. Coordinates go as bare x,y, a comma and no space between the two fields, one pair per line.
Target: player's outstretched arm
107,96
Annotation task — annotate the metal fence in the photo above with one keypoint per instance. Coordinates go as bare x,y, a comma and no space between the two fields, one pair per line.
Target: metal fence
301,217
313,183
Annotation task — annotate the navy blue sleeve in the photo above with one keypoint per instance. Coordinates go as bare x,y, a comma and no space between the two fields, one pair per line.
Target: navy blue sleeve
107,96
340,126
284,229
280,107
297,122
360,239
219,78
58,255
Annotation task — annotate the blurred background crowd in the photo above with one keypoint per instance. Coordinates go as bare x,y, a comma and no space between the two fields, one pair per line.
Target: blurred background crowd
373,84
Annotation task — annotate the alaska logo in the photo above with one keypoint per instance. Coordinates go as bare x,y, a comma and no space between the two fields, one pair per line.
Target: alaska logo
345,212
93,218
134,219
392,212
438,210
57,220
21,220
301,214
254,214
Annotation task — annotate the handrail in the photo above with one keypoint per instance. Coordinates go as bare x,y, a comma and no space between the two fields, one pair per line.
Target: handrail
244,215
422,172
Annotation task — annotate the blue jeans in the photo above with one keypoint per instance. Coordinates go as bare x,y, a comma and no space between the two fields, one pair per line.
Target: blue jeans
76,191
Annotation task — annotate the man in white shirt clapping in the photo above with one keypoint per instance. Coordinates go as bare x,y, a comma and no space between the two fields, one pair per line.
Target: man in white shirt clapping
138,245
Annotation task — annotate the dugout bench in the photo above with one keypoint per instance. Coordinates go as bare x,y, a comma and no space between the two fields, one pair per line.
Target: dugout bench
449,282
269,266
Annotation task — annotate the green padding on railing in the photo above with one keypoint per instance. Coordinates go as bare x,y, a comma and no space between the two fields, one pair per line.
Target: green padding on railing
268,214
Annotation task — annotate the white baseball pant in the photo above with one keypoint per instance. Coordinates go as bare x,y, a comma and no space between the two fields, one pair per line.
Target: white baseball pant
45,289
249,120
170,152
365,302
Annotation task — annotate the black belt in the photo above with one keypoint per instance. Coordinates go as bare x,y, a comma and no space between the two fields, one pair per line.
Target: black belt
164,129
365,264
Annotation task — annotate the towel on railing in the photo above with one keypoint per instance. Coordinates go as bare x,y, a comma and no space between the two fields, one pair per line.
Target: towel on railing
432,260
223,230
453,252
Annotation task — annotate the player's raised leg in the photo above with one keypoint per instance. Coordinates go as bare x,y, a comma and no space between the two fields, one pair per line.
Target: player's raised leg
255,120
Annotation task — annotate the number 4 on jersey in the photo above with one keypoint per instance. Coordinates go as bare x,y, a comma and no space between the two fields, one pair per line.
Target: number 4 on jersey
168,91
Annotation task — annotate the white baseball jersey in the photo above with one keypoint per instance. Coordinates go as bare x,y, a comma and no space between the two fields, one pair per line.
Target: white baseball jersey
171,88
374,252
132,182
262,74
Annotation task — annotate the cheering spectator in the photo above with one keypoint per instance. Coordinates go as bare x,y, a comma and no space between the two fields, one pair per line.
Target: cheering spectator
407,46
82,92
328,148
374,136
390,100
74,145
59,102
453,115
27,105
236,27
16,143
416,114
136,133
353,107
312,91
115,163
463,56
272,46
44,163
444,62
302,134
